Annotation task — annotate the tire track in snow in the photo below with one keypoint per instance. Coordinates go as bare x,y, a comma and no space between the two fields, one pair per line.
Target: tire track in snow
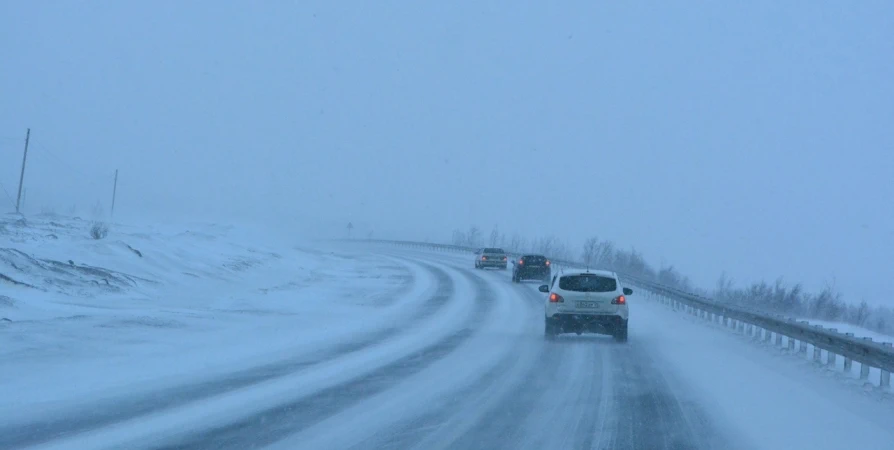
426,405
483,405
121,409
650,414
273,424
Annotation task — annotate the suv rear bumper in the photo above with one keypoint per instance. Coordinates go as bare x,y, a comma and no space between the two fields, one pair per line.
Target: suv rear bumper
584,323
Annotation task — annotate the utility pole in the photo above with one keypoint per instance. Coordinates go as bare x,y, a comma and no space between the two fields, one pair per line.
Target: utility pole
24,198
22,176
114,192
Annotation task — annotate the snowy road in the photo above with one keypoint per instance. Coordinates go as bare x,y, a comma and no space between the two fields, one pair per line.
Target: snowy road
465,367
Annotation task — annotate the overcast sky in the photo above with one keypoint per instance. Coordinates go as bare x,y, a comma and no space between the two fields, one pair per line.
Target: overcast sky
752,137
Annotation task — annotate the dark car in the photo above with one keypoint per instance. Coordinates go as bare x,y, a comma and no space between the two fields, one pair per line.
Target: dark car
531,267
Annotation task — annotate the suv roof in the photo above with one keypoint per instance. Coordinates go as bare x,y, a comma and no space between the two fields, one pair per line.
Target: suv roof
604,273
492,250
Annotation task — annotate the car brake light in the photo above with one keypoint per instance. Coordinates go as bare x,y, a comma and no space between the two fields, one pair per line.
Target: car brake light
556,298
521,262
619,300
547,262
484,258
504,258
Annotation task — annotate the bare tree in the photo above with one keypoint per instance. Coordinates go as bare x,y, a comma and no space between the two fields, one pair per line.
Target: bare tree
515,244
724,286
604,254
546,245
861,314
589,250
596,253
560,250
459,237
494,236
473,236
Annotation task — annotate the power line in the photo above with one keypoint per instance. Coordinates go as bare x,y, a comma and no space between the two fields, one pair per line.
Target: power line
11,201
62,161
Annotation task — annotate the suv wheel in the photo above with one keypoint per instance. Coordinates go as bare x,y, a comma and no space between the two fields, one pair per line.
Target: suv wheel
550,331
620,333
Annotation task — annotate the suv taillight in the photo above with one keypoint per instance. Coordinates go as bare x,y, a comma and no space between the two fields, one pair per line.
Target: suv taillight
521,262
556,298
547,262
505,258
619,300
484,258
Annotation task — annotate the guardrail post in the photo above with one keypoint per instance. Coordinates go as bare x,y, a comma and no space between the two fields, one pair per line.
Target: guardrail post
885,379
831,357
802,347
817,354
848,363
864,368
791,344
778,340
767,335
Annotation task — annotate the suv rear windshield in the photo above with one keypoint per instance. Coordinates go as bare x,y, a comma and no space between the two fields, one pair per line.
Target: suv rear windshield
535,260
494,250
588,283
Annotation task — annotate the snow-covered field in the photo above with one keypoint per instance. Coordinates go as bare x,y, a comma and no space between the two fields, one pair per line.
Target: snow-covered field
149,307
216,337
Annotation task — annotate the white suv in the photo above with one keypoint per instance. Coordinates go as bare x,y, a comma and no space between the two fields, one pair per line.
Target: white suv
586,301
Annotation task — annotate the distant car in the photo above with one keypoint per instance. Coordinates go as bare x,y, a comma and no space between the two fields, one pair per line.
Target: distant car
531,267
586,302
491,257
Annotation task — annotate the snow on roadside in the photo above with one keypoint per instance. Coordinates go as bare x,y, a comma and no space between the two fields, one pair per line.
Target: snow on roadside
848,328
749,389
190,303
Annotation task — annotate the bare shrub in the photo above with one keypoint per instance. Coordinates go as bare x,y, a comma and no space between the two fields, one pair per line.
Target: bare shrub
99,230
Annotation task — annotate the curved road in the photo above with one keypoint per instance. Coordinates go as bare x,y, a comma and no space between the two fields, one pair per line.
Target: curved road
467,369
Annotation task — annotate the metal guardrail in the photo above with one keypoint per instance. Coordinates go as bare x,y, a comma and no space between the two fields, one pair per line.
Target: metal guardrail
751,322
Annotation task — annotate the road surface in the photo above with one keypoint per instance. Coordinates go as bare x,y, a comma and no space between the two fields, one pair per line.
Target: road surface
469,369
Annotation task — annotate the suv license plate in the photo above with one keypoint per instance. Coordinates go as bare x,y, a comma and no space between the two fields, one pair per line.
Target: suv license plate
587,304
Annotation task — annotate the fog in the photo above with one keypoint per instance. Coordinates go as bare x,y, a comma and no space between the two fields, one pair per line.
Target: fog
751,138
